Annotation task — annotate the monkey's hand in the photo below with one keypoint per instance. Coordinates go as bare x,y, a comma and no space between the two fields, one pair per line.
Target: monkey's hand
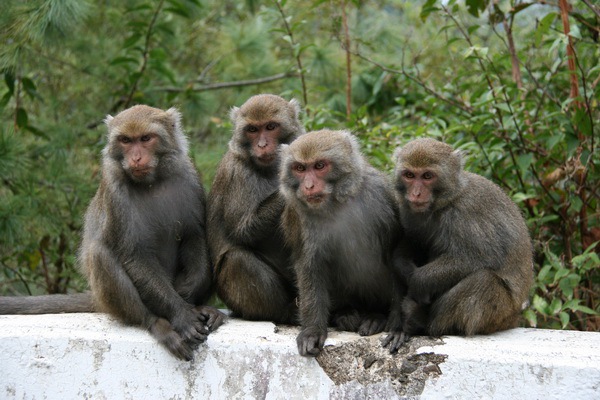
213,317
190,324
311,340
395,340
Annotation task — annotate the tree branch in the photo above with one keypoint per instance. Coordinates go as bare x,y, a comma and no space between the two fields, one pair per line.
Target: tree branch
224,85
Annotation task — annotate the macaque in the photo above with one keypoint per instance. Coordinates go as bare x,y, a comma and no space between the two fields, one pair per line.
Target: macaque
143,248
341,222
467,255
253,274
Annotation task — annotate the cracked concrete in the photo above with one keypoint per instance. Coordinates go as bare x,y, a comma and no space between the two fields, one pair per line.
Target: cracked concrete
92,356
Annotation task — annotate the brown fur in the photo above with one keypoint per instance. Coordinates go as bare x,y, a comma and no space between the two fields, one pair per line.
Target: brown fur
252,270
341,244
143,248
469,259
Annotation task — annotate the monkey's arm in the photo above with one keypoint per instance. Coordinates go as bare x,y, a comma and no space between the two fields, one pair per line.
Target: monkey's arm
258,222
194,281
159,295
438,276
314,306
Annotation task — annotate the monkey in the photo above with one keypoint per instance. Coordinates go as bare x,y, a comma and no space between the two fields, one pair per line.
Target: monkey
143,248
253,274
471,265
341,222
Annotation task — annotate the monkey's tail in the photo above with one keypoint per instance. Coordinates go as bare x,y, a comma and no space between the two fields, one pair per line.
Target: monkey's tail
47,304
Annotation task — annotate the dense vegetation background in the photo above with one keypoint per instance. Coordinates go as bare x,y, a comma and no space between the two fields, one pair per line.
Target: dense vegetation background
514,83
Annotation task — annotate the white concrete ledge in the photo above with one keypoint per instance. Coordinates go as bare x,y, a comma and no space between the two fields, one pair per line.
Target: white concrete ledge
91,356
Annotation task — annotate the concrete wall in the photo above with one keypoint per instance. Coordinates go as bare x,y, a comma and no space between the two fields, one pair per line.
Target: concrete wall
90,356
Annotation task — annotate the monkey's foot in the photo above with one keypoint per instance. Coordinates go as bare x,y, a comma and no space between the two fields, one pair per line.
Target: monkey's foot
395,340
372,324
189,323
213,317
311,340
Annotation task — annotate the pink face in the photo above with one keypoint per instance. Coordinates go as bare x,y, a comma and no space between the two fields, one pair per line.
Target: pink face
264,139
311,176
139,154
419,184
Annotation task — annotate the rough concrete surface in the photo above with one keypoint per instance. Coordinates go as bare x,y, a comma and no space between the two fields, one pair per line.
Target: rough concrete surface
91,356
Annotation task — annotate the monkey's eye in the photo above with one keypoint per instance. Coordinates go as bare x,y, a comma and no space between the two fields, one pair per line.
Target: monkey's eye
428,175
146,138
251,129
299,168
408,175
272,125
320,165
124,139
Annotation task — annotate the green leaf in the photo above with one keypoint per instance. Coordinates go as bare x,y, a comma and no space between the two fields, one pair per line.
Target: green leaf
555,306
427,9
30,88
123,60
585,309
540,304
132,40
37,132
531,317
22,118
544,272
4,100
475,7
544,27
524,161
9,79
561,273
564,319
472,29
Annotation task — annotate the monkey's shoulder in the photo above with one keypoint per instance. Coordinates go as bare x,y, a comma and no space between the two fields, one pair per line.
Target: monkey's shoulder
481,195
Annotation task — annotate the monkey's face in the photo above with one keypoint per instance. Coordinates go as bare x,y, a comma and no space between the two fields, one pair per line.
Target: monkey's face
417,187
139,158
263,140
311,178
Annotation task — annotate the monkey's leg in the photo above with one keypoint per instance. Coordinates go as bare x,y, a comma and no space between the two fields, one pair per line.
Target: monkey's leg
415,317
253,290
346,319
479,304
115,293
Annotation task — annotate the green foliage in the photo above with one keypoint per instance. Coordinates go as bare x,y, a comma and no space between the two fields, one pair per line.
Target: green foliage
491,78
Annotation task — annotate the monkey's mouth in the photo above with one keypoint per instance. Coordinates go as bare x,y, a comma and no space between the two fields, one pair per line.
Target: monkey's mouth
419,206
266,159
315,199
140,172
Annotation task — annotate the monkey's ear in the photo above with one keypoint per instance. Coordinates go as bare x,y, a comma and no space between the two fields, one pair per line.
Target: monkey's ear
396,155
234,113
178,135
296,107
460,156
108,119
175,115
